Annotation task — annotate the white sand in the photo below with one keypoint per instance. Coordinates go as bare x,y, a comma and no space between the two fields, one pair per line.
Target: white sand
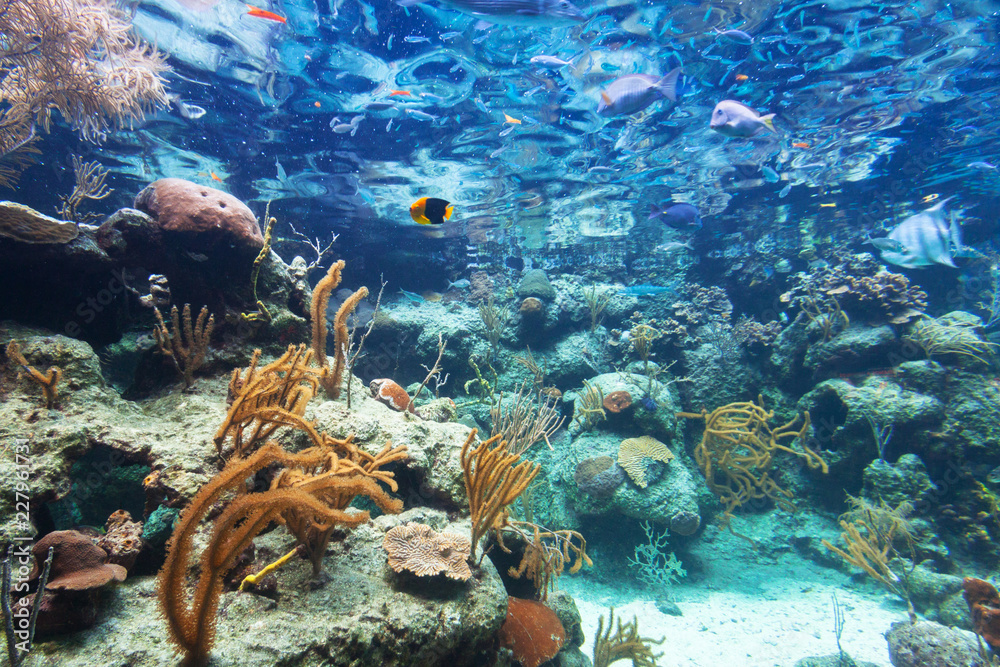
781,622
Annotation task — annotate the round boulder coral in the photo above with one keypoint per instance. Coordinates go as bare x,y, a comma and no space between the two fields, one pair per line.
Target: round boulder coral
599,476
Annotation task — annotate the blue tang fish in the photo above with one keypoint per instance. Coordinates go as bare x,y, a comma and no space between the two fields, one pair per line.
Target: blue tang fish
925,239
679,216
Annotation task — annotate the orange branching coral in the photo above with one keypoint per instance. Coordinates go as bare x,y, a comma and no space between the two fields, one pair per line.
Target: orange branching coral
492,482
46,381
422,550
737,451
186,347
317,311
625,644
342,457
265,399
313,489
984,605
77,57
546,554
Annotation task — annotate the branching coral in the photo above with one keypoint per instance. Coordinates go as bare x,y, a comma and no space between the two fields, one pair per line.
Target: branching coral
870,534
528,419
736,453
76,57
493,480
625,644
267,398
590,407
47,381
940,339
192,624
90,177
341,337
186,347
546,553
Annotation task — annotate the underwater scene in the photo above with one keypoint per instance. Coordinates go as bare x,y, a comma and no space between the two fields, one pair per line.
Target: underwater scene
499,333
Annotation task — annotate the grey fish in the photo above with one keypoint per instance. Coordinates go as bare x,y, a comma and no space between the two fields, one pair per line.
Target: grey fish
515,12
885,244
734,119
634,92
926,239
461,283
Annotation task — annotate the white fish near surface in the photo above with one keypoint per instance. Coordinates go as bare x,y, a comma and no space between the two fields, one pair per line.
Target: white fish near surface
634,92
926,239
549,61
735,119
515,12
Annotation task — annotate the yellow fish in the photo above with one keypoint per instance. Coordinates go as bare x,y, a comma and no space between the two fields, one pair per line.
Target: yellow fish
511,120
828,206
929,198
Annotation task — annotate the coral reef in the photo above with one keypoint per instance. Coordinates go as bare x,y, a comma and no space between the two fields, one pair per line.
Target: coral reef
858,284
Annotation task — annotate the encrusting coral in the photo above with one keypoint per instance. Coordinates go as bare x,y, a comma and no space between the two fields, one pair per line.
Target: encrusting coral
633,454
317,312
25,224
737,451
186,347
46,381
425,552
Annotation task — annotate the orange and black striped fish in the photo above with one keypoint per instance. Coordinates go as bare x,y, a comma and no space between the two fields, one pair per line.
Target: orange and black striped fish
431,211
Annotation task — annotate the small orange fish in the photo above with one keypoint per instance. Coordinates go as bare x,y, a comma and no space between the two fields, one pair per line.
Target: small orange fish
400,92
317,104
215,177
264,14
800,144
742,77
308,58
511,120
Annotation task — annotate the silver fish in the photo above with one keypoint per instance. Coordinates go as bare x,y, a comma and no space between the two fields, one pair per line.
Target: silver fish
885,244
734,119
634,92
515,12
189,111
926,238
549,61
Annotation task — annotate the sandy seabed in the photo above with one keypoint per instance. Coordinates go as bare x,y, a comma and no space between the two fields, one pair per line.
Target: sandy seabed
782,621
